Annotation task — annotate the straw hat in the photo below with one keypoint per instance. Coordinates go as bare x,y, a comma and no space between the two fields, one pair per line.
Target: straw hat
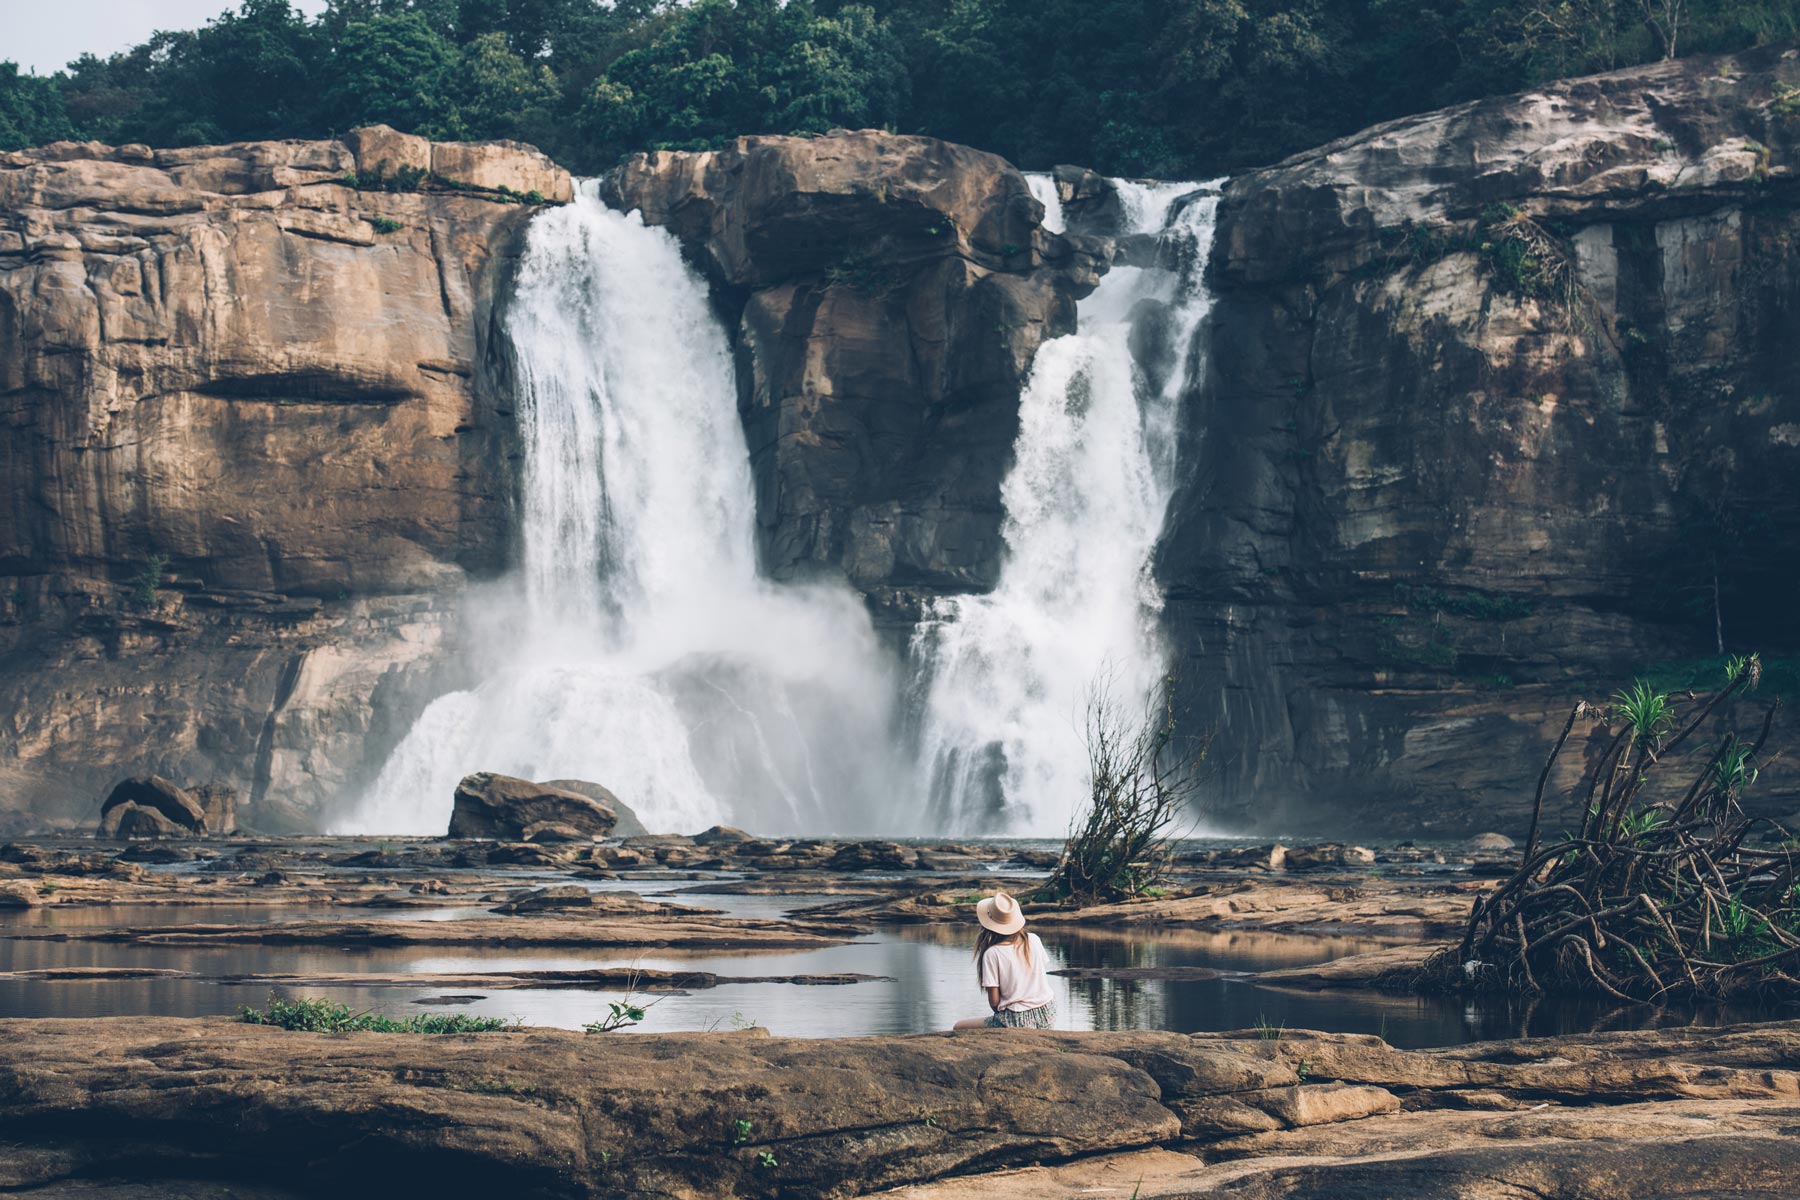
1000,913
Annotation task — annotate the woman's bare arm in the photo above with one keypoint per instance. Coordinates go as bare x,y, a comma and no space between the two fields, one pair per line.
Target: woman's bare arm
993,995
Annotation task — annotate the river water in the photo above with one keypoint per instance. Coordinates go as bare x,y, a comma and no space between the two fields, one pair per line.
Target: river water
926,979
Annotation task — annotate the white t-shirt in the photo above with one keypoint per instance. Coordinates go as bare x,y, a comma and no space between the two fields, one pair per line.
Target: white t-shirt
1022,985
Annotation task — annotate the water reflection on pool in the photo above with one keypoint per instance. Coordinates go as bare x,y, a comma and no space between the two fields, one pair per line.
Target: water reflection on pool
929,984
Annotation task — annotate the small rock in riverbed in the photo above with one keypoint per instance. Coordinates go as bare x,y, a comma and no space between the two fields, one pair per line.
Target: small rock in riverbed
1490,841
1307,858
548,899
19,895
722,835
150,806
554,831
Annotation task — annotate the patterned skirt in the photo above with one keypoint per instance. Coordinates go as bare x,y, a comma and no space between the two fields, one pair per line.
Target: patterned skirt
1042,1017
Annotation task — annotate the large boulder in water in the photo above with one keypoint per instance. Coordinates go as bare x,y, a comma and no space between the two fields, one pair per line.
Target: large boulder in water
628,824
503,807
151,806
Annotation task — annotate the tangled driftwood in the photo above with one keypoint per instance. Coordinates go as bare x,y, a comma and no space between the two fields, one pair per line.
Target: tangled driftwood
1652,898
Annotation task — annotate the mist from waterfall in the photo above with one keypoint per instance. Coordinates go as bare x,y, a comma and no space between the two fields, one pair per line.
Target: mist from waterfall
637,647
1005,675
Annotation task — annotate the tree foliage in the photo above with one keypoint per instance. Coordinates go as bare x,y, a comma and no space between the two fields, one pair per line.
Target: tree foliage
1176,88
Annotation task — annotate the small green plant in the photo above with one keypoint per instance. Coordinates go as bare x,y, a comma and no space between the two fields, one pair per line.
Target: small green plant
623,1012
350,180
49,888
766,1160
740,1131
1266,1032
1731,773
1302,1070
1524,257
622,1015
1645,710
385,225
310,1014
148,579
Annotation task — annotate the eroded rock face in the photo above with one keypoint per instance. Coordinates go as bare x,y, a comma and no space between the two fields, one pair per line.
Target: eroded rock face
1428,512
246,412
887,296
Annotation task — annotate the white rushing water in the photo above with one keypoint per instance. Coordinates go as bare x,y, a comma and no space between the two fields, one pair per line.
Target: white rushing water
1043,190
640,649
1006,674
637,646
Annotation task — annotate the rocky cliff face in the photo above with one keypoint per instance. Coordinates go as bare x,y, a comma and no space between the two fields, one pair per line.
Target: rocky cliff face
250,449
888,295
1502,408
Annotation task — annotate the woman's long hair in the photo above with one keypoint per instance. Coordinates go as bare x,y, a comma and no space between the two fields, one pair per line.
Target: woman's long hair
987,939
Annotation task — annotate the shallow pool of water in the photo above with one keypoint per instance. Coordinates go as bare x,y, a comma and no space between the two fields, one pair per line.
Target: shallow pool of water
928,979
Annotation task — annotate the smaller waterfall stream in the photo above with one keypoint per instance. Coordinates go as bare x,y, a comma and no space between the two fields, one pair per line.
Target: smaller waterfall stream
1007,673
641,649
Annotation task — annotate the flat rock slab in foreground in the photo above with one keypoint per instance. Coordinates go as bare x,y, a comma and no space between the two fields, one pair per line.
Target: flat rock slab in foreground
165,1102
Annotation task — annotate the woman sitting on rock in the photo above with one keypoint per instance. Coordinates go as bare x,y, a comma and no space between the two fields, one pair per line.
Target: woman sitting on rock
1010,964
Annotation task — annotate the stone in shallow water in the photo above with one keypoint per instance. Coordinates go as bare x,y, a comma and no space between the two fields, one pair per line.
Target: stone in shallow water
503,807
19,895
180,814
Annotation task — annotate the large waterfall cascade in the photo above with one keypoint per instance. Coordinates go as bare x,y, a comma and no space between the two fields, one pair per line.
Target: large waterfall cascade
637,646
1007,674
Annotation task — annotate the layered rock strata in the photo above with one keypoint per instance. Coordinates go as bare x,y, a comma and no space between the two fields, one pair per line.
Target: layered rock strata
250,450
1502,409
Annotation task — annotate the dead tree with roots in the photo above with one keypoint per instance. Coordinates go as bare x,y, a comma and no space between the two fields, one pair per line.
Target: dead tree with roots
1652,898
1142,777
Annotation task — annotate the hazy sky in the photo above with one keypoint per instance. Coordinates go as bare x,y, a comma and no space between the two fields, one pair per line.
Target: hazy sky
44,35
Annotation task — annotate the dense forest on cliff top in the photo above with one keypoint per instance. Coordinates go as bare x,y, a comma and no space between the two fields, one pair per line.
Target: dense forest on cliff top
1170,88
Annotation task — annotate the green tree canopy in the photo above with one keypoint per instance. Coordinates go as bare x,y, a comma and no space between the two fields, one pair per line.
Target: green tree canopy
1177,88
727,67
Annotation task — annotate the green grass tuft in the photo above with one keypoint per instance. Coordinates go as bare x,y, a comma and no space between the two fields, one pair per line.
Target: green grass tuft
310,1014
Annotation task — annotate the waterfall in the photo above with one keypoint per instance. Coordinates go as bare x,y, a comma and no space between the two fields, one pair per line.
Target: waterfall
1005,675
638,648
1043,190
